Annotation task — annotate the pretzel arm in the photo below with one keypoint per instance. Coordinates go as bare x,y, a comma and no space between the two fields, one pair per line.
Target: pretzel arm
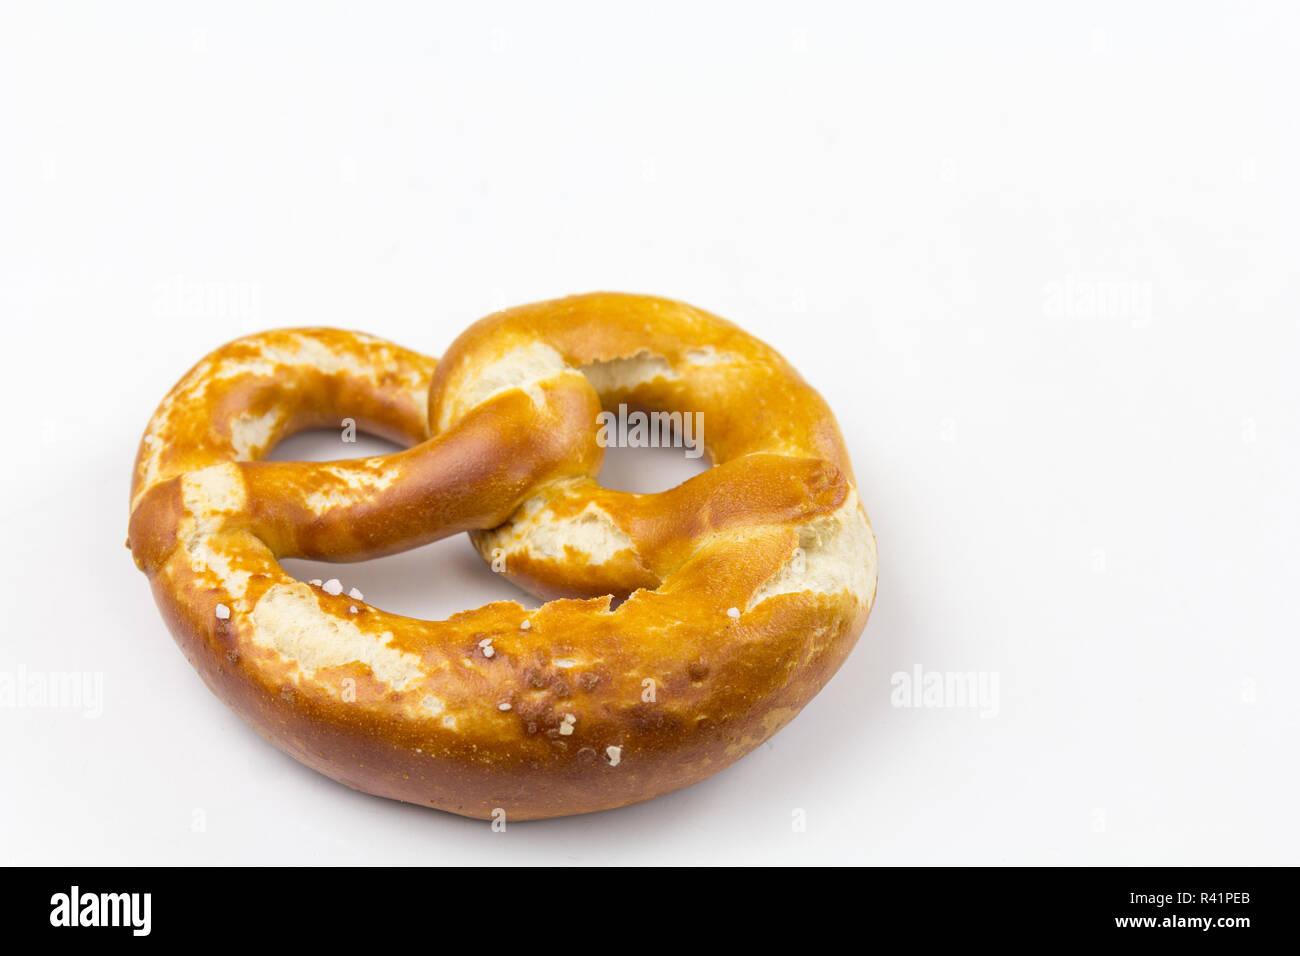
469,477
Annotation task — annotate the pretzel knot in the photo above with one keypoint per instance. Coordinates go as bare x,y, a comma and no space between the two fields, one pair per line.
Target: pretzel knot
743,588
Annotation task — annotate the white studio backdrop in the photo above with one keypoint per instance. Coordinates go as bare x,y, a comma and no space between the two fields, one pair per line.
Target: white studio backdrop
1039,259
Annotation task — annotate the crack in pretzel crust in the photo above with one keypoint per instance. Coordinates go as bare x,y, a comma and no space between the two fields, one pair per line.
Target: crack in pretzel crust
743,589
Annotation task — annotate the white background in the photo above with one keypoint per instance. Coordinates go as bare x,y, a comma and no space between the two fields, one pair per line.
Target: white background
1042,263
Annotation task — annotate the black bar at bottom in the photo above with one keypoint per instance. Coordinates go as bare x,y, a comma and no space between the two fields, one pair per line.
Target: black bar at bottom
330,905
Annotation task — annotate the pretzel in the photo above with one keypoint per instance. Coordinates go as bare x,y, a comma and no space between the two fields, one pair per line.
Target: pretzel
682,629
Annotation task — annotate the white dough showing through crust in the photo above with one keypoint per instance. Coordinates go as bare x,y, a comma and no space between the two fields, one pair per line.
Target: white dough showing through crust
525,367
536,531
288,619
252,435
837,553
625,373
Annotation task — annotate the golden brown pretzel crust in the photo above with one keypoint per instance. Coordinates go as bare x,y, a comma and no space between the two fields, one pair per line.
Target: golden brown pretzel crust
749,584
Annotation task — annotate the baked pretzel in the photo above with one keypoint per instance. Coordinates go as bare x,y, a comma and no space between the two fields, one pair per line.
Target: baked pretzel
743,589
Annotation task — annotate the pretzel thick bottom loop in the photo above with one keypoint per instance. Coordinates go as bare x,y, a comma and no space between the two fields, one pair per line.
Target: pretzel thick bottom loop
745,587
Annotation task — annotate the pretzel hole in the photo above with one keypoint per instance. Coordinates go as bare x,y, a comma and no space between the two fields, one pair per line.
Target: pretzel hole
431,583
649,449
647,471
331,444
